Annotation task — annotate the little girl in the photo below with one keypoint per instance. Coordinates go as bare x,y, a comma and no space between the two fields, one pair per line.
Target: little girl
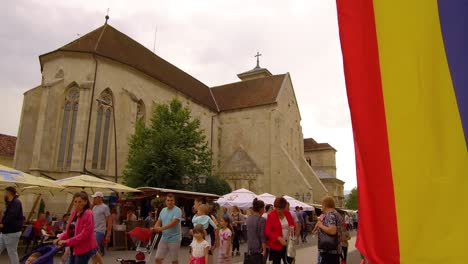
225,235
199,246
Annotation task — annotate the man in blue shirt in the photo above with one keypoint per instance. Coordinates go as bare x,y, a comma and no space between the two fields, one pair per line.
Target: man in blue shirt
169,224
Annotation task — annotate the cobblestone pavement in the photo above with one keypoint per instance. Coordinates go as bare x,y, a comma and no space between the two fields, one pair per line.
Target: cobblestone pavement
306,254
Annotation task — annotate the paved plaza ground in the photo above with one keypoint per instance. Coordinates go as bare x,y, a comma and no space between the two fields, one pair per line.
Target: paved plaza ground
306,254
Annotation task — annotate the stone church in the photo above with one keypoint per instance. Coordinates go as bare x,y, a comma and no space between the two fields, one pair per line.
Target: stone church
94,89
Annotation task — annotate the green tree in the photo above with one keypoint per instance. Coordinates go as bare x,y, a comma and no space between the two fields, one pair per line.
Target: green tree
172,146
352,201
215,185
138,164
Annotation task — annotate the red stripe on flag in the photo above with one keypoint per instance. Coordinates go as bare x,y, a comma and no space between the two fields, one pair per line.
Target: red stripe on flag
378,232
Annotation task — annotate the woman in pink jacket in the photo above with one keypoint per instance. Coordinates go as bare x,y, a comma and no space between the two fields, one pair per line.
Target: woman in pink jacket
79,234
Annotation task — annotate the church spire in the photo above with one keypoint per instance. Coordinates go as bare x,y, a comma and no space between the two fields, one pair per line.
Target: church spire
257,72
107,16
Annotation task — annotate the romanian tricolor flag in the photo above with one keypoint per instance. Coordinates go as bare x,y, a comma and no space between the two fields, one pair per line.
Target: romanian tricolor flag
406,69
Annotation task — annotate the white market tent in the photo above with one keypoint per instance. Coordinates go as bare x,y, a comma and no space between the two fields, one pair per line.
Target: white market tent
241,198
293,203
267,198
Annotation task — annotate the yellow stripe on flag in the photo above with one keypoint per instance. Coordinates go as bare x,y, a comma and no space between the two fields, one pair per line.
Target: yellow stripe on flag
427,147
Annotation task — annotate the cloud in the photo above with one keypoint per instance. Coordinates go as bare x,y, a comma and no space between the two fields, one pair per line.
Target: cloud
211,40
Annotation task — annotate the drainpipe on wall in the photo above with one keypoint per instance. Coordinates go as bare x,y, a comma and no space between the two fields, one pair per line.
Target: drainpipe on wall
89,117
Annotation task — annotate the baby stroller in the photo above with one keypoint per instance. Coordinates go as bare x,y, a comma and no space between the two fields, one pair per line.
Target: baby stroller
144,246
47,255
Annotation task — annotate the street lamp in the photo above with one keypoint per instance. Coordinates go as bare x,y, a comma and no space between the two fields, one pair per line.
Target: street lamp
185,180
201,179
104,102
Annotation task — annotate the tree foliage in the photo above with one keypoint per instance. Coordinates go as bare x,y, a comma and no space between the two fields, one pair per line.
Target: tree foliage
352,201
173,145
216,185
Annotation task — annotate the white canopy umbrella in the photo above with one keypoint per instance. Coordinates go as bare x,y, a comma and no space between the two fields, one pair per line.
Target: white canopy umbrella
92,184
293,203
241,198
267,198
10,176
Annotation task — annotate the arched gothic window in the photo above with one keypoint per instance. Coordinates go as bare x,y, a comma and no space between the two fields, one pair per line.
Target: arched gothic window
141,111
103,125
67,134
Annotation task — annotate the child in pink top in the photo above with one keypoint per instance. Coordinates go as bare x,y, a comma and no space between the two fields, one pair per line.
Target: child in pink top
225,236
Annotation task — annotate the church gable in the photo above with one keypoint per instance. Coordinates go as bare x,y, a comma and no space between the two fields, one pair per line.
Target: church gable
240,163
287,100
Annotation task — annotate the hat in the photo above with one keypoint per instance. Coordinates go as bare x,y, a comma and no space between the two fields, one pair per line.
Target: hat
97,194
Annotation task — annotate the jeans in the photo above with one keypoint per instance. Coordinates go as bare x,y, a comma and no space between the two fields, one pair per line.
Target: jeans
83,258
344,253
236,240
10,242
99,238
277,255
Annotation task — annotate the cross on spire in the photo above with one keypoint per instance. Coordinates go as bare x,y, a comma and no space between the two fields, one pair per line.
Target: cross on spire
258,59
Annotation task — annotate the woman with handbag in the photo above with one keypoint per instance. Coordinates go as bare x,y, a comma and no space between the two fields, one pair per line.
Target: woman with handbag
329,233
256,240
279,227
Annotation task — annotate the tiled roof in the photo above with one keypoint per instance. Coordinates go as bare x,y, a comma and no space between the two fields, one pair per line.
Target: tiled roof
250,93
325,177
108,42
7,145
310,144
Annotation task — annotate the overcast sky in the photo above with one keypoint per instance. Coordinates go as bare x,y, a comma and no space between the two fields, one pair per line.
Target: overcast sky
211,40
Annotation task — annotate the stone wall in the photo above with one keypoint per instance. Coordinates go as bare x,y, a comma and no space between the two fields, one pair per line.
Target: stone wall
27,129
323,160
335,189
249,130
42,114
6,161
272,137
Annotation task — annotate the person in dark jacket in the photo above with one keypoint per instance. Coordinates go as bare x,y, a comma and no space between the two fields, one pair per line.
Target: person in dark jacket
11,224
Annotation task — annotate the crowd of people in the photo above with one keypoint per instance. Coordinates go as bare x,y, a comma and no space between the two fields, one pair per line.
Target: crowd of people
79,233
271,231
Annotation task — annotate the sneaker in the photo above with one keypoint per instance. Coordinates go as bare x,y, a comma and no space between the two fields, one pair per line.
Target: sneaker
233,253
237,253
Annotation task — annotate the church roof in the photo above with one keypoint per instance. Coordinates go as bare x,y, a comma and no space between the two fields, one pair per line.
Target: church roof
108,42
250,93
310,145
323,175
7,145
